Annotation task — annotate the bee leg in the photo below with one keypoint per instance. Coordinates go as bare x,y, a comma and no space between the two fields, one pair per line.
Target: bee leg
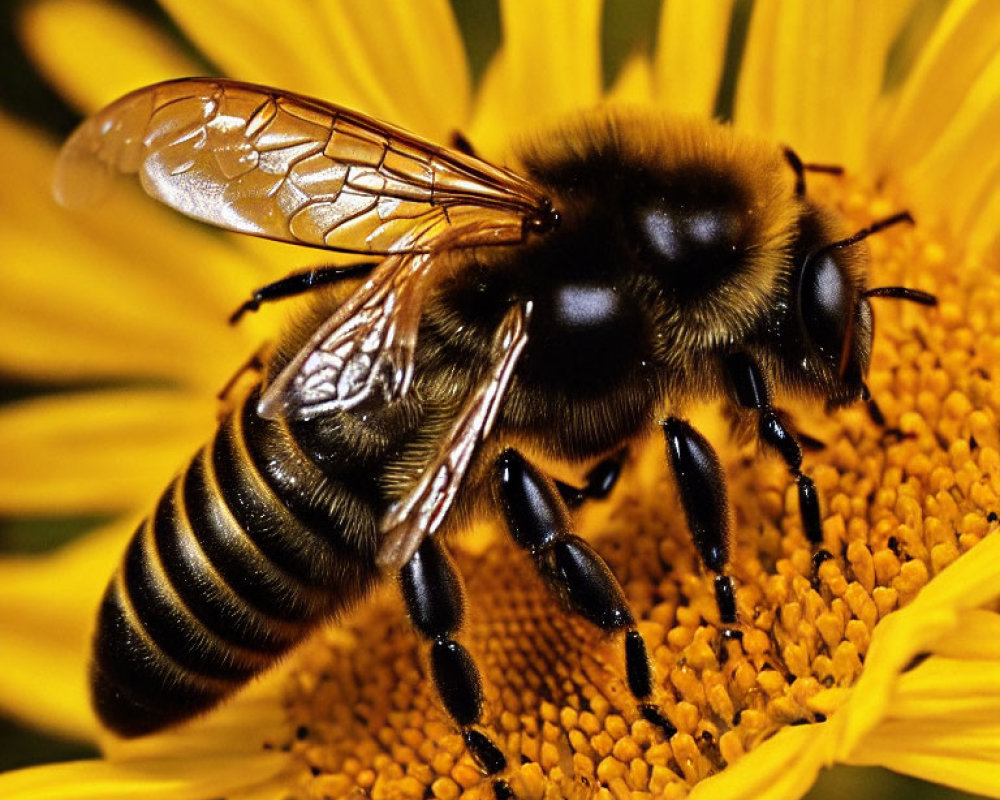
573,496
538,521
702,489
253,364
602,478
599,482
751,393
297,283
432,590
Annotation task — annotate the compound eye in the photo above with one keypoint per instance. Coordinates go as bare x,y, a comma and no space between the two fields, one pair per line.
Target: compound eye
826,306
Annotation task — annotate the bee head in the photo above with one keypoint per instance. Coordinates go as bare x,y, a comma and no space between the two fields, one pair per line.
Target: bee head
834,320
831,308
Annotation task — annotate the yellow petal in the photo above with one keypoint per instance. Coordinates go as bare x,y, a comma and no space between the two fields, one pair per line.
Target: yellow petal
404,64
977,637
965,157
634,84
690,53
125,289
97,452
949,688
554,53
47,609
548,65
94,51
811,74
155,779
934,616
489,129
965,40
885,707
414,53
783,768
972,769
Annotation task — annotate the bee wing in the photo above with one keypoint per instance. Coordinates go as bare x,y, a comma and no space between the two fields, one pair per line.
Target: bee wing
279,165
423,510
363,350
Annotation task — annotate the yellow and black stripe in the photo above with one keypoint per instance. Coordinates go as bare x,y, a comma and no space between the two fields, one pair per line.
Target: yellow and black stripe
248,549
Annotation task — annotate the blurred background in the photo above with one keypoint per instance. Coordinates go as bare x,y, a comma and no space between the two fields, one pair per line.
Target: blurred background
629,24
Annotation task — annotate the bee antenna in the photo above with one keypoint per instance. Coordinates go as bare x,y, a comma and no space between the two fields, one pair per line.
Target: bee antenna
902,293
800,168
864,233
827,169
875,227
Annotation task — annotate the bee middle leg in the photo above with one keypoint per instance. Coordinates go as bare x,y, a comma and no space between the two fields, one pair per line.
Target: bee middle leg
435,602
538,520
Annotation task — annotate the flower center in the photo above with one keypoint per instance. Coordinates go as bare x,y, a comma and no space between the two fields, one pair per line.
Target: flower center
900,503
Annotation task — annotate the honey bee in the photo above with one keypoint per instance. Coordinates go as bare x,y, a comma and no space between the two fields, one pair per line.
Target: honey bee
633,265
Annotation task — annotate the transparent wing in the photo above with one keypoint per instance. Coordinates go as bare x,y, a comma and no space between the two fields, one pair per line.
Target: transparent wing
274,164
423,510
365,349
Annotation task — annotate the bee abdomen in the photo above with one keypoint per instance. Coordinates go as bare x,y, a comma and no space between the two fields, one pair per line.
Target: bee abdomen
303,521
224,578
179,633
174,637
136,688
229,555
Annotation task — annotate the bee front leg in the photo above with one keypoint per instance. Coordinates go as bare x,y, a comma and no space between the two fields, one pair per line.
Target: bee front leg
599,482
435,602
751,393
538,520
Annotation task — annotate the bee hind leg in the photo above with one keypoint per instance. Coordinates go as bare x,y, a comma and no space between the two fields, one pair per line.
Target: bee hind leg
538,520
298,283
434,597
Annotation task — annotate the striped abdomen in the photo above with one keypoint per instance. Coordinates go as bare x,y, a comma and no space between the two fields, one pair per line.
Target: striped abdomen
247,550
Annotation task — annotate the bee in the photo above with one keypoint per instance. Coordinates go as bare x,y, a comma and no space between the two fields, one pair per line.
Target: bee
631,265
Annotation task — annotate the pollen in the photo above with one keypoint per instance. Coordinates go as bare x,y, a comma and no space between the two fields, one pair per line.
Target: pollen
901,501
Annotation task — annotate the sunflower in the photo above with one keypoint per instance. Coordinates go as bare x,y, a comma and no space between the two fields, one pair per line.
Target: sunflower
886,654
